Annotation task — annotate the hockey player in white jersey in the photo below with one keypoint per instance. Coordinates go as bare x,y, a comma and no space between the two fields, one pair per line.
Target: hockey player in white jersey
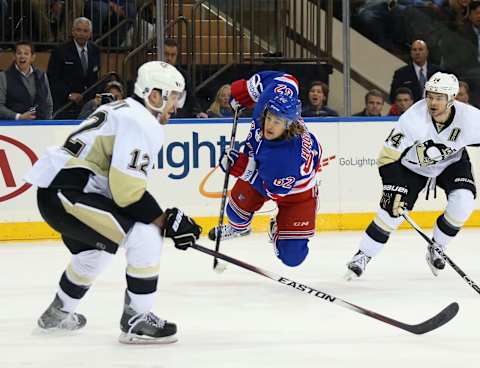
427,148
92,190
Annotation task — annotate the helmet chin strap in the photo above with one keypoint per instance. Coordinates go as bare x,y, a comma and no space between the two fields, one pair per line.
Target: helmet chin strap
450,101
156,111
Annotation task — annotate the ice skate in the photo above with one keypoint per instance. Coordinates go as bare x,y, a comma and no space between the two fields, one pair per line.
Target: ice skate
435,260
145,328
54,318
357,265
228,232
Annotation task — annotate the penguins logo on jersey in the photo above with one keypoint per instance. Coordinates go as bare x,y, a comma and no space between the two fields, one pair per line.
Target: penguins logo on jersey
429,152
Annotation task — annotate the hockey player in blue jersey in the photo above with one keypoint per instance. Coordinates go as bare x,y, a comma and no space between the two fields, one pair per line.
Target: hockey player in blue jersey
279,163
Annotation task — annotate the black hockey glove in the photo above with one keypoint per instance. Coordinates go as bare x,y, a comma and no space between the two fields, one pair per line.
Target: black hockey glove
181,228
394,199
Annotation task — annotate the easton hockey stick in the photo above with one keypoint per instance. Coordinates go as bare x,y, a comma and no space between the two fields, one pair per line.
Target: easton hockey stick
216,266
457,269
431,324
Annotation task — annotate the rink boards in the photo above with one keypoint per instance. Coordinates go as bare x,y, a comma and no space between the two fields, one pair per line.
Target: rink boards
186,177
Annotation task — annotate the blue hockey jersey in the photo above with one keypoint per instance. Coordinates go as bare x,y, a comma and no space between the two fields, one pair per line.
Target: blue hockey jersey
284,167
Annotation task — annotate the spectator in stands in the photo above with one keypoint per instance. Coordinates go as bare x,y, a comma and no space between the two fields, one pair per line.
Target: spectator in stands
3,18
463,94
470,32
3,10
374,20
374,102
106,14
73,68
191,107
467,56
53,19
403,100
113,92
457,11
220,107
437,24
317,101
414,75
24,89
383,21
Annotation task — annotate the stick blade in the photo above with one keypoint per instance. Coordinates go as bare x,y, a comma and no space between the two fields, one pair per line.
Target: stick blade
435,322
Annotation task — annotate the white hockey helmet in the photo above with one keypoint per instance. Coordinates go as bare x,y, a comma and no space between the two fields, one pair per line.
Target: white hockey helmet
162,76
443,83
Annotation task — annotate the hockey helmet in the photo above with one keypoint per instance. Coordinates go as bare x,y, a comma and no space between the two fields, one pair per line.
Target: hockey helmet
162,76
443,83
285,107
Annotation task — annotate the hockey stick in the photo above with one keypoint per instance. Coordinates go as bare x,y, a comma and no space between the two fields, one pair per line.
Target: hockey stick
457,269
216,266
435,322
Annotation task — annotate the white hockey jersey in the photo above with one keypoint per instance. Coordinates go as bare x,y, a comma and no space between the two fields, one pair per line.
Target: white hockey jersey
119,143
429,152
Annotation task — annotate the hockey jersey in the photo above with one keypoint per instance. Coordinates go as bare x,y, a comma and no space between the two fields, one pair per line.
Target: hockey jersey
284,167
118,143
423,149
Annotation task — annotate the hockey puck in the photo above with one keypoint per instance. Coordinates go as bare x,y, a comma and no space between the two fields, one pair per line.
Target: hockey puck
220,267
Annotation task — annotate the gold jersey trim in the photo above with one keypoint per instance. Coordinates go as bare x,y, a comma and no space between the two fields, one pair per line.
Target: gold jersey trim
387,156
126,189
143,272
98,158
76,278
102,222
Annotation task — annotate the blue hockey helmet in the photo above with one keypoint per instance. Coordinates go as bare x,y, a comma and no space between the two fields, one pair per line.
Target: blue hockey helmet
285,107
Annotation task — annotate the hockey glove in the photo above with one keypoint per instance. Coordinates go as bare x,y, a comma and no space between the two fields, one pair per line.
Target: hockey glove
181,228
241,165
394,199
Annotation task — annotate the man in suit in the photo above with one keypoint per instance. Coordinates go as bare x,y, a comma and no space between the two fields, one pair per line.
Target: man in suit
73,68
414,75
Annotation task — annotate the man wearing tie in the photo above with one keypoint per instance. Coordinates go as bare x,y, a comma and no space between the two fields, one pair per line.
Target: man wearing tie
73,67
414,75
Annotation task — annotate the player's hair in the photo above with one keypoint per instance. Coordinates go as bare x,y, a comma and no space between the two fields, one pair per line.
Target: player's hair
296,128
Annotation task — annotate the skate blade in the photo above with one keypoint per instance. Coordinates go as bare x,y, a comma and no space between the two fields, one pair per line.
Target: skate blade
132,339
59,332
350,275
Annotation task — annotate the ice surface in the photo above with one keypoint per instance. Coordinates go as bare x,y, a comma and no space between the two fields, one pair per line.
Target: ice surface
240,319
